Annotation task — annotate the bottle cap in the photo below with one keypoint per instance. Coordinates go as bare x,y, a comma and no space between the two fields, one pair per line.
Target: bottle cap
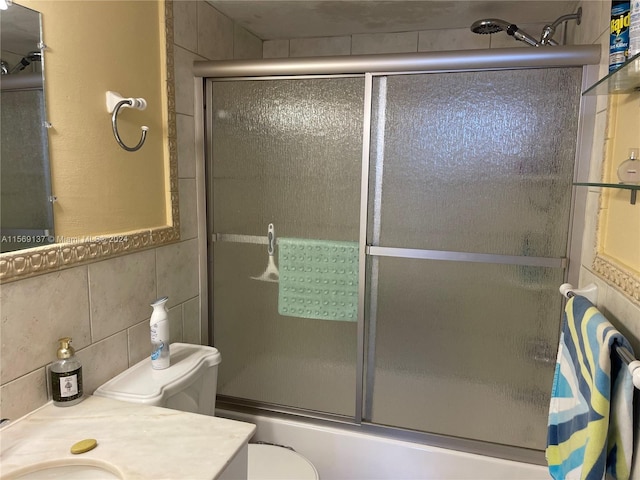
159,301
65,350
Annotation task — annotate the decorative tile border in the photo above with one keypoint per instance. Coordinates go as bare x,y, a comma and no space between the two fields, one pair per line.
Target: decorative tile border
37,261
624,280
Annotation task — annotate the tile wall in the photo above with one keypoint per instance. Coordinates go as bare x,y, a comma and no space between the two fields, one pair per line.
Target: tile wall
404,42
104,306
618,308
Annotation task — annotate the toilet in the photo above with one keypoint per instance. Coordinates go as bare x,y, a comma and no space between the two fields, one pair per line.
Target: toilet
189,385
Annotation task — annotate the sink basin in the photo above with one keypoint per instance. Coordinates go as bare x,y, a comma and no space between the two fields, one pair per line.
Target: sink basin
69,469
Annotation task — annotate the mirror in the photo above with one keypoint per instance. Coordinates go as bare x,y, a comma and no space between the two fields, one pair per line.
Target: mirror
105,201
26,213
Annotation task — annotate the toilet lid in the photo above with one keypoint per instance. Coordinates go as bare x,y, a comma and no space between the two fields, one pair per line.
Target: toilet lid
269,462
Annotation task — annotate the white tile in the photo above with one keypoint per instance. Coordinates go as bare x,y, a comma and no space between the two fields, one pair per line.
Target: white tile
191,321
35,313
245,44
275,49
24,394
185,128
101,361
587,277
625,315
185,24
591,25
451,39
589,235
121,290
174,317
139,342
319,47
363,44
188,208
183,71
597,150
215,33
178,271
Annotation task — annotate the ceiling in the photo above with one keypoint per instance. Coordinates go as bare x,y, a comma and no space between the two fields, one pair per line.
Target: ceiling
279,19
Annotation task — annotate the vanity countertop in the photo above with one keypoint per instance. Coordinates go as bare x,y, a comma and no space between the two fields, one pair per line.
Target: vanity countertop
142,442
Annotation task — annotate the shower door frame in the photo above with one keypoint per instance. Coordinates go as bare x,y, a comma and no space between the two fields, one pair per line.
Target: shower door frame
371,66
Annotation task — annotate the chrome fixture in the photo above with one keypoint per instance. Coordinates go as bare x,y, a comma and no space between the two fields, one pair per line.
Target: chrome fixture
115,102
495,25
34,56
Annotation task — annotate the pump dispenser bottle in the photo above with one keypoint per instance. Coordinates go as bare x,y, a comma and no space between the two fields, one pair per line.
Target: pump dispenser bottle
66,376
159,325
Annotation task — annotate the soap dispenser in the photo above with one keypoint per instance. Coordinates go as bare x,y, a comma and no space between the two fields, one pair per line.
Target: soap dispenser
66,376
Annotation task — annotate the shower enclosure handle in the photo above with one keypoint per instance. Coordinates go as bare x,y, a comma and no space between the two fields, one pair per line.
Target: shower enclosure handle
271,238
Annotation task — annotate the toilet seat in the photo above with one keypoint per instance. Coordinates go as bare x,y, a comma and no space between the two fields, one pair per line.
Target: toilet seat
270,462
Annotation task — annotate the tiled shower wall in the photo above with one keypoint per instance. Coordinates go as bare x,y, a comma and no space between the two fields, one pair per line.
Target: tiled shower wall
403,42
104,306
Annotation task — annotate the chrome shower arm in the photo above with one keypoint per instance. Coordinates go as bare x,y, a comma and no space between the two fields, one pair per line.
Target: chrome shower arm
549,30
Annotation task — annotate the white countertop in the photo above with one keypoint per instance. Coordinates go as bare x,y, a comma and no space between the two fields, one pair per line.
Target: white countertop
142,442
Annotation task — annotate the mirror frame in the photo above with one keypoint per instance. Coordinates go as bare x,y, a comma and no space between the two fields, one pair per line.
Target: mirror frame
40,260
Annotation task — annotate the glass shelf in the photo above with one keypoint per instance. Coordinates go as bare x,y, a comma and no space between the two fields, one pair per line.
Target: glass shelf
634,188
625,79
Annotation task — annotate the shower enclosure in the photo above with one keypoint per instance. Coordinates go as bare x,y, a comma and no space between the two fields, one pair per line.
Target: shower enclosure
453,175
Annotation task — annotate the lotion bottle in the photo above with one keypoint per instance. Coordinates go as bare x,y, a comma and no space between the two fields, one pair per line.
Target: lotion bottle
159,325
66,376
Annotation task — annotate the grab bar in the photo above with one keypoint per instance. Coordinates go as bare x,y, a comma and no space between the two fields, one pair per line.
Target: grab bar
591,290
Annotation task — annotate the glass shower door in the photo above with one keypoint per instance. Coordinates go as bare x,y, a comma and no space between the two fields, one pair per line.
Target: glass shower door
286,152
470,194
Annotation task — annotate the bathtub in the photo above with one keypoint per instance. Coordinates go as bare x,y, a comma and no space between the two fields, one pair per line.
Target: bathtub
342,454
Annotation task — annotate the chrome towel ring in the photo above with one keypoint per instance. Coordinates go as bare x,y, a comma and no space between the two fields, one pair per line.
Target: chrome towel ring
115,102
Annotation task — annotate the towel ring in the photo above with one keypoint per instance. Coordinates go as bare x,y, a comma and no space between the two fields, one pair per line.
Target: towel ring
114,103
114,125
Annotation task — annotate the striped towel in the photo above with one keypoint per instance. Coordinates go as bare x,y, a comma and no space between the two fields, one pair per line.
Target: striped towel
591,410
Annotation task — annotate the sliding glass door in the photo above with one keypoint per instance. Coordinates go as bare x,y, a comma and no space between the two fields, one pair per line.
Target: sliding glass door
287,153
466,218
468,222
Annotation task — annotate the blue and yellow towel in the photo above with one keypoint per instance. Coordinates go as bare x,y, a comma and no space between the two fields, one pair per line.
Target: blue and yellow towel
318,279
591,411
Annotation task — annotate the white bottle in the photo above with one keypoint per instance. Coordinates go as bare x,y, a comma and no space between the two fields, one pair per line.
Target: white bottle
66,376
159,325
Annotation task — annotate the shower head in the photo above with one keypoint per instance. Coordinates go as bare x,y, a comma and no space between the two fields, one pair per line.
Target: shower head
35,56
489,25
495,25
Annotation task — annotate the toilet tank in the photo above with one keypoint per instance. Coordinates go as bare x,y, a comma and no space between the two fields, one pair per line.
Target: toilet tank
189,384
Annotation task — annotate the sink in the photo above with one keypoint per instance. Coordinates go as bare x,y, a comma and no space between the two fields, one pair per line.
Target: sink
69,469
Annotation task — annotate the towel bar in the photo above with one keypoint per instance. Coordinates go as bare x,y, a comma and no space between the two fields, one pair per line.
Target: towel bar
591,292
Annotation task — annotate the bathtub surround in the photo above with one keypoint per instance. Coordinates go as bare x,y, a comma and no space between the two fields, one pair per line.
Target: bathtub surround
104,306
